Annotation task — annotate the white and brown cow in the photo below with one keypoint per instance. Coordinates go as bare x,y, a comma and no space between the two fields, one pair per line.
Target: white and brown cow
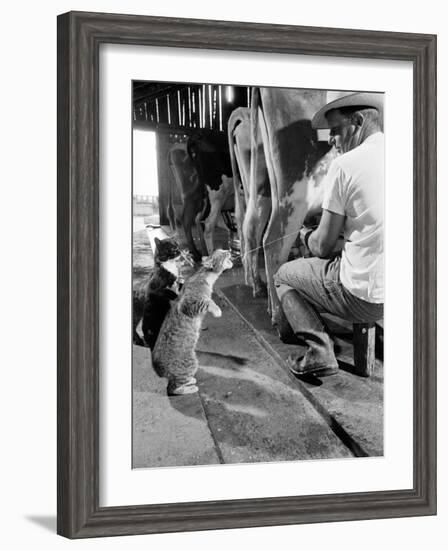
191,194
203,175
252,205
296,163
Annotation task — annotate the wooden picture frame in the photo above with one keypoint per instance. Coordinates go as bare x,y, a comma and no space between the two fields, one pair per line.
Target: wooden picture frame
79,38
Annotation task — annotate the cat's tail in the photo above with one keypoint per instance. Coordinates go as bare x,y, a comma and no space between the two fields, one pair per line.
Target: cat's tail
233,358
157,366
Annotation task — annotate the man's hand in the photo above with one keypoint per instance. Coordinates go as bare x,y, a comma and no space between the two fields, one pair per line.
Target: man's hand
303,234
322,241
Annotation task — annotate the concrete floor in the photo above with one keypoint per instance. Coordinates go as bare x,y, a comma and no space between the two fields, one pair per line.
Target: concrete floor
249,408
351,404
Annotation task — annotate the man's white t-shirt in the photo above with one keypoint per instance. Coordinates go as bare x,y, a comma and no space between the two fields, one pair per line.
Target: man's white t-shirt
354,188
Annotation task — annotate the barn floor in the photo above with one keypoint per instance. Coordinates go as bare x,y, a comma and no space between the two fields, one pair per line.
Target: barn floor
249,407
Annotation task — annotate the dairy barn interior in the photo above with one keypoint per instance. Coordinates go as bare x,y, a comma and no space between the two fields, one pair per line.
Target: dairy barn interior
249,407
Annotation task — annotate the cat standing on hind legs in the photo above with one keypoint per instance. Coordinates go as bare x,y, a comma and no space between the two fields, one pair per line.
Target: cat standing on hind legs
174,356
152,297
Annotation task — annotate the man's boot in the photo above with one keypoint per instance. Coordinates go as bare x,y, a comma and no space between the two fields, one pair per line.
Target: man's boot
307,326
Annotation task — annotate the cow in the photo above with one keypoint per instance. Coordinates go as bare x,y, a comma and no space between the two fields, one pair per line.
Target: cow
250,220
191,196
209,153
296,163
202,171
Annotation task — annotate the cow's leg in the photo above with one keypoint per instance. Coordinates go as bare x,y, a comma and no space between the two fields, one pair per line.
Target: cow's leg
244,169
289,206
189,213
217,200
257,210
240,208
240,202
280,235
171,213
274,236
253,228
200,232
257,215
210,223
238,135
199,220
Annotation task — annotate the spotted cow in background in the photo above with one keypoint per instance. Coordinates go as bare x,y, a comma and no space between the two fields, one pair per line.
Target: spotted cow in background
191,195
203,174
209,153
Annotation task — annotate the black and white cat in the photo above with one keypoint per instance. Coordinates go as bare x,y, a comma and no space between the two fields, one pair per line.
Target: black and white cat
152,297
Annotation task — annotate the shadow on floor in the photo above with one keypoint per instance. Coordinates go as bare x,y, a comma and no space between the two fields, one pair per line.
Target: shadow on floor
46,522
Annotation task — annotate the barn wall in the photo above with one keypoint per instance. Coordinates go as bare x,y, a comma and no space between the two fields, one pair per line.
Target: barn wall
187,106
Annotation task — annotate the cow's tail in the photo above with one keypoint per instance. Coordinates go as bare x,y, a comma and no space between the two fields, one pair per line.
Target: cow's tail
157,367
239,115
205,206
205,210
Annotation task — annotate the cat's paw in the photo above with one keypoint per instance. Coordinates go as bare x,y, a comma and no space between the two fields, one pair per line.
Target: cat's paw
216,312
182,390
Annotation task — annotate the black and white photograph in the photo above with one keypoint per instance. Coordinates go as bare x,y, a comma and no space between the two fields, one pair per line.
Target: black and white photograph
223,245
258,274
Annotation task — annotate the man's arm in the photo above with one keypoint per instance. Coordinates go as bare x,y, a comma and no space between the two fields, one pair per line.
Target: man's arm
322,241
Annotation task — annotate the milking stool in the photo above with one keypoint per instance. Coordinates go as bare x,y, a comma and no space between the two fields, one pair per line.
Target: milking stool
364,348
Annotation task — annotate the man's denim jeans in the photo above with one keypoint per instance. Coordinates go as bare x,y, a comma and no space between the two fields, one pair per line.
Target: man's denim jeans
319,289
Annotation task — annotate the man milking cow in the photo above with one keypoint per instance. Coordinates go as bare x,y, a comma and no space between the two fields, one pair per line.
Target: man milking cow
349,285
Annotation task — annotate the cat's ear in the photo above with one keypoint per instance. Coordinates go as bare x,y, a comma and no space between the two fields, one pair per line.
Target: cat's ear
207,261
157,241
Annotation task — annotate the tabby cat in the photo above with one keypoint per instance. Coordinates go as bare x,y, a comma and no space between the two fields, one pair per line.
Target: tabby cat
152,297
174,355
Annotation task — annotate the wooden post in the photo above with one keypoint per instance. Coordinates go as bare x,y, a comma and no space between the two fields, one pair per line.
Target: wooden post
210,106
179,109
220,107
190,108
204,106
364,348
168,106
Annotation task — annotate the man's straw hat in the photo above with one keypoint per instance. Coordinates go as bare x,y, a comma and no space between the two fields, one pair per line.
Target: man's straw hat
360,99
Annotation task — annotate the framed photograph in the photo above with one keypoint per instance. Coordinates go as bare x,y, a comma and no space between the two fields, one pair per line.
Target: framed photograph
246,274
